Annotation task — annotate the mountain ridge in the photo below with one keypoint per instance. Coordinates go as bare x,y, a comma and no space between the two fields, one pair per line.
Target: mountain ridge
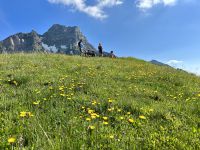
155,62
57,39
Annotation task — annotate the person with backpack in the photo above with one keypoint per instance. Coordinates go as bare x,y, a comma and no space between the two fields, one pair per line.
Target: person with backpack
100,48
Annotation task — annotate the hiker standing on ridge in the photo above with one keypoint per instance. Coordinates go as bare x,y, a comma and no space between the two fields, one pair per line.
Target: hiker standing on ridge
80,46
100,48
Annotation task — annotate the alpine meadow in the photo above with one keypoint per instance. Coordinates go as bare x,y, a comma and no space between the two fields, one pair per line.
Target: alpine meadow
60,102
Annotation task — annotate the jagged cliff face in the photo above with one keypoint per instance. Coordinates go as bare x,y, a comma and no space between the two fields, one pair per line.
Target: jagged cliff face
58,39
64,39
25,42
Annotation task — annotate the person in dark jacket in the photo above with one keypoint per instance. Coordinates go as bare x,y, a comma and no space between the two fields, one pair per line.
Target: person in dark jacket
112,55
100,48
80,46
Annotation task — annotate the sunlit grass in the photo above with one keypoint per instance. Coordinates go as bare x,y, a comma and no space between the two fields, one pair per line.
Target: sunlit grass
59,102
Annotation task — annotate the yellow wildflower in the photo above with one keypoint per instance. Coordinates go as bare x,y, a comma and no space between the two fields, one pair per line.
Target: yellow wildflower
90,111
61,88
121,118
91,127
62,95
36,103
110,109
29,114
105,118
128,113
26,114
131,120
94,103
110,101
22,114
69,98
11,140
119,110
93,117
15,82
142,117
88,119
105,122
151,110
111,136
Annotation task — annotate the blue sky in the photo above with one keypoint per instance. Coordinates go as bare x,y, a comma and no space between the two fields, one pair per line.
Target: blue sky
165,30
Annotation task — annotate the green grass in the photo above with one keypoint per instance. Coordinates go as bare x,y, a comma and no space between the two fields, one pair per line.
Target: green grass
147,106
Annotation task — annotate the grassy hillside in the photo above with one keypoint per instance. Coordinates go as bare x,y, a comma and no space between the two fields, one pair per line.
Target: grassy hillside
58,102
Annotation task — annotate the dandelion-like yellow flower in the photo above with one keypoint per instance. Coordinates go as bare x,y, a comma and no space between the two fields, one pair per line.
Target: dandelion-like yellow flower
26,114
110,101
105,118
119,110
11,140
61,88
94,103
105,122
62,95
22,114
94,114
15,82
142,117
88,119
121,118
111,136
128,113
131,121
90,111
93,117
151,110
91,127
36,103
29,114
69,98
199,95
109,109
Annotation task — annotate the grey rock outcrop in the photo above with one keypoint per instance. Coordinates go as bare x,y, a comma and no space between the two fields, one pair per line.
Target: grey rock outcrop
22,42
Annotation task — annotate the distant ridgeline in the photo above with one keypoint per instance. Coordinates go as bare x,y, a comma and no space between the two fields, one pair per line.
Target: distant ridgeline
58,39
155,62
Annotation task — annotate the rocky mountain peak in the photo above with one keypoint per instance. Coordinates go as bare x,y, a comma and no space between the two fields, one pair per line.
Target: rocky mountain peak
61,28
64,39
58,39
34,33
